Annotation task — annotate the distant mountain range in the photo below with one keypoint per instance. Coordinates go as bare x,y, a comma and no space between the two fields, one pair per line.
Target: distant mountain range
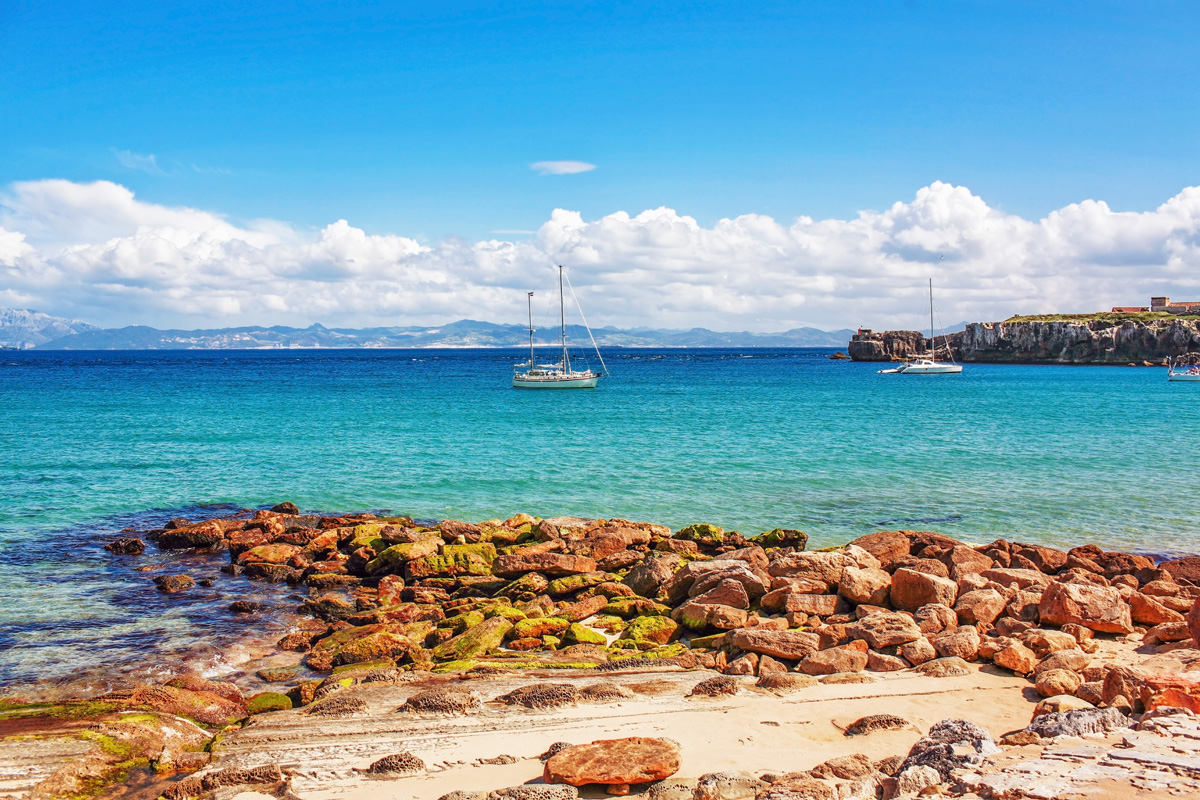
32,329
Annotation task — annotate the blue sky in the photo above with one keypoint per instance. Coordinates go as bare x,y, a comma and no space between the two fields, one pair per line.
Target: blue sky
405,117
190,163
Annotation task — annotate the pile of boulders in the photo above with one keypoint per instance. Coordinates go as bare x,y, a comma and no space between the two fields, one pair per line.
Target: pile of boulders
526,592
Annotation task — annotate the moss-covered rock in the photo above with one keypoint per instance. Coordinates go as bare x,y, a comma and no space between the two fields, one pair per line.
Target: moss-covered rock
461,622
630,607
610,623
506,611
393,559
702,533
655,630
476,641
374,647
526,587
570,584
540,627
462,563
581,634
367,535
485,550
782,537
263,702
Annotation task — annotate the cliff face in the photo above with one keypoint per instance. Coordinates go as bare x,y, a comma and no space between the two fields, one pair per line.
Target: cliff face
1096,342
886,345
1045,342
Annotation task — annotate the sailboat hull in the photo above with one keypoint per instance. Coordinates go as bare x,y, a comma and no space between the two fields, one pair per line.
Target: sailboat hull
932,369
524,382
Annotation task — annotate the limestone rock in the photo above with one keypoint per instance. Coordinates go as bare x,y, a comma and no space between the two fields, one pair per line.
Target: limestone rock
1059,703
875,722
636,759
730,785
845,658
1079,722
942,748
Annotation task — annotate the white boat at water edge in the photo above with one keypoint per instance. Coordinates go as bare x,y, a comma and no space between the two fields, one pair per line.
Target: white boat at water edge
559,375
927,364
1184,368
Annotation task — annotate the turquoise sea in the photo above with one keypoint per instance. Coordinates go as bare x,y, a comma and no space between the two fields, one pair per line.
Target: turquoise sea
91,443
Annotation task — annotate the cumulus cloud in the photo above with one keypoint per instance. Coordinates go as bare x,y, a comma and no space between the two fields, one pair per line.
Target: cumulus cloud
561,167
94,251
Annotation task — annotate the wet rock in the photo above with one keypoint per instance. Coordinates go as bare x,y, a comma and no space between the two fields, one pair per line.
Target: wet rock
126,546
715,687
636,759
400,763
476,641
542,695
442,701
265,702
208,708
245,607
912,589
1099,608
875,722
204,534
172,584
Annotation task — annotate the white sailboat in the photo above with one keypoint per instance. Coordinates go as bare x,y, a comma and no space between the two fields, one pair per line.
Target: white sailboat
559,375
927,364
1184,368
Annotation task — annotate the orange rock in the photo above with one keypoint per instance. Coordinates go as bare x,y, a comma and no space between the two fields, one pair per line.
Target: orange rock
614,762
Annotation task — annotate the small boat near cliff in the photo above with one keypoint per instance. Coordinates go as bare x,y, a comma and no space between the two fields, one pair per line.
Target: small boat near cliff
927,364
559,375
1184,368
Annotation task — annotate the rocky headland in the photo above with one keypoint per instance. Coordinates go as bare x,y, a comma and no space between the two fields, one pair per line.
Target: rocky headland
1097,339
565,657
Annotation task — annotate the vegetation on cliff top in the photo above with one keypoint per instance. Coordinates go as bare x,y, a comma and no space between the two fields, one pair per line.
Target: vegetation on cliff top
1101,316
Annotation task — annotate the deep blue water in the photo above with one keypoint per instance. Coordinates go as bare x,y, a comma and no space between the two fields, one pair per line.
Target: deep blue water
92,442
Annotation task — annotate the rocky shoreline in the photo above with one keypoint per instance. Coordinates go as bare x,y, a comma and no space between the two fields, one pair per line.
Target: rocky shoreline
434,636
1113,341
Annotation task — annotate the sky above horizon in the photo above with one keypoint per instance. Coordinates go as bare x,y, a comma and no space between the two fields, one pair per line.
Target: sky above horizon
697,164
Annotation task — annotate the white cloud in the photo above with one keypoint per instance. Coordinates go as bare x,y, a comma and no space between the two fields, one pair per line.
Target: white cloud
139,162
95,251
561,167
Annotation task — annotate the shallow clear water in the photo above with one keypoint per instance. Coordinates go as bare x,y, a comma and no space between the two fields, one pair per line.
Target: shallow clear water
92,442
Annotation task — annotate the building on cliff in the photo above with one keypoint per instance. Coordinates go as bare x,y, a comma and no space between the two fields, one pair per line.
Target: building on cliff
1178,307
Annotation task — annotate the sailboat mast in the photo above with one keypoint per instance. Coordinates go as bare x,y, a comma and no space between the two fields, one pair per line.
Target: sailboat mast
562,316
932,341
530,329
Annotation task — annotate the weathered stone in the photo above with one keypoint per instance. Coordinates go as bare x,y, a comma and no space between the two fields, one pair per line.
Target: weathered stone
824,567
126,546
1044,642
1100,608
1146,610
635,759
848,767
981,605
882,662
786,682
943,747
946,667
729,592
846,658
963,642
875,722
790,645
549,564
887,546
819,605
1058,681
1079,722
885,630
912,589
1059,703
715,687
1017,658
935,618
870,586
476,641
731,785
918,652
1021,578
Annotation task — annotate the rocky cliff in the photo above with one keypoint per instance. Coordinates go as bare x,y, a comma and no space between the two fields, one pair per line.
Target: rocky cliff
1054,341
